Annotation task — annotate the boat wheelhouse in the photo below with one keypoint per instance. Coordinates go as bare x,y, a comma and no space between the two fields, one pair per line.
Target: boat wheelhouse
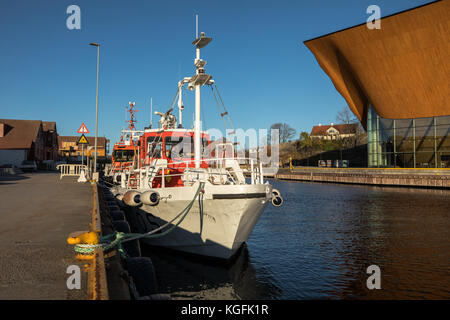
125,152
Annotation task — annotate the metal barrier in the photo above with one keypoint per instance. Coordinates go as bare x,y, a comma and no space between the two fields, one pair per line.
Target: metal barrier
72,170
9,171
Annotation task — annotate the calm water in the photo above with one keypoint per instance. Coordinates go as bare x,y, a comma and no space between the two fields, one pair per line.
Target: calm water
320,243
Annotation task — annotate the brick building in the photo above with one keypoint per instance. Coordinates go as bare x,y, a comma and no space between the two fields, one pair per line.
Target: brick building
68,148
27,140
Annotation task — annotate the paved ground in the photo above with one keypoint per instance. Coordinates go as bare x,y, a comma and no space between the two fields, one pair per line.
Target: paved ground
37,212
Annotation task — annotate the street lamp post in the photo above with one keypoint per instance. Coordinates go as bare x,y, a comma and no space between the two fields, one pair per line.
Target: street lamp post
96,109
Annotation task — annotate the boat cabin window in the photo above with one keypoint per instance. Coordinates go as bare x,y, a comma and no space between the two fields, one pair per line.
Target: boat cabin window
154,147
181,147
123,155
177,147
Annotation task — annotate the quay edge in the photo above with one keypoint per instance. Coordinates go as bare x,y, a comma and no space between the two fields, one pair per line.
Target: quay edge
418,178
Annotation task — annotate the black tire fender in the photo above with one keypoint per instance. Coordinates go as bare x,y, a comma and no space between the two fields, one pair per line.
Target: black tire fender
132,248
142,272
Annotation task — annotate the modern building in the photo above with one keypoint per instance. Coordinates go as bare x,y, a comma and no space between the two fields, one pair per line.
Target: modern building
27,140
396,81
334,131
408,143
69,149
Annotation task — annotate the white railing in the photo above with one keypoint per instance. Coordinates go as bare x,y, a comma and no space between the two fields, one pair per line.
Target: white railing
232,169
6,171
72,170
9,171
230,166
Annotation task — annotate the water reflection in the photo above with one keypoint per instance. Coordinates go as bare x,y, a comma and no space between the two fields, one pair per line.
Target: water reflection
320,243
341,230
188,277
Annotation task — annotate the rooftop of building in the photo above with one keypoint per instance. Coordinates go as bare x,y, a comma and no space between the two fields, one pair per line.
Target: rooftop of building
321,130
20,134
49,126
401,69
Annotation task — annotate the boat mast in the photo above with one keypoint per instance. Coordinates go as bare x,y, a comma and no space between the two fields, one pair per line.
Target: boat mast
197,124
132,120
151,112
197,82
180,104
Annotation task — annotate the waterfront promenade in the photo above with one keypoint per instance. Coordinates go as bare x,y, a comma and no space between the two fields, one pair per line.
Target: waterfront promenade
424,178
37,213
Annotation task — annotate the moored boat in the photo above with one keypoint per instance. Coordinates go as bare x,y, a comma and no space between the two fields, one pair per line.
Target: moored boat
201,196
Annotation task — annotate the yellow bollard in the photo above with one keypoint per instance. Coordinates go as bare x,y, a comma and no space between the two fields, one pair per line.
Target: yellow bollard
83,237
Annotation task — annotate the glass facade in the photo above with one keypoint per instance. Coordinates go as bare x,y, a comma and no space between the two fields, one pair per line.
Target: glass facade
408,143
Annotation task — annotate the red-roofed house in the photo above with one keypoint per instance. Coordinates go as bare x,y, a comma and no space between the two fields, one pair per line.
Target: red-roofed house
27,140
334,131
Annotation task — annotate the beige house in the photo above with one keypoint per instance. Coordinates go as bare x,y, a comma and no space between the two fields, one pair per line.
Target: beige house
334,131
68,147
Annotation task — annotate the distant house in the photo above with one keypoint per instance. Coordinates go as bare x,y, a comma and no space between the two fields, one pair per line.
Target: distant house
51,140
68,148
334,131
27,140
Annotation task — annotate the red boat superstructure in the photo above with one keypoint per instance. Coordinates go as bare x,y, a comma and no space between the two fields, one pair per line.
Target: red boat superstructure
125,151
171,146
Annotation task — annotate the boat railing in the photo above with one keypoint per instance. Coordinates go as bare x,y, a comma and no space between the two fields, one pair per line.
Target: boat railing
231,168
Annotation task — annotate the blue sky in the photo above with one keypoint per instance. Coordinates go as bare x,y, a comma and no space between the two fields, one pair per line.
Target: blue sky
257,57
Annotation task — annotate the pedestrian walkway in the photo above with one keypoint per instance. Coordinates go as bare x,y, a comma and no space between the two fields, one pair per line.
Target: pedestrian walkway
37,213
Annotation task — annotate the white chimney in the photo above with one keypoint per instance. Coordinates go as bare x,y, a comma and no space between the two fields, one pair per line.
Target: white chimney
332,124
320,124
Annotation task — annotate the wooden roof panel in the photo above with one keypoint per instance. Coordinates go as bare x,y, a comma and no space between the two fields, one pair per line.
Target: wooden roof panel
402,69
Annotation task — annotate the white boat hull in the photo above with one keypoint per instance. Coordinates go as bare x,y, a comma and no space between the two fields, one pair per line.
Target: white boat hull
227,218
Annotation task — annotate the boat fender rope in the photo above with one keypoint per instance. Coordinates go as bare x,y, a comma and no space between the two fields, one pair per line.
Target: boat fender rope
116,239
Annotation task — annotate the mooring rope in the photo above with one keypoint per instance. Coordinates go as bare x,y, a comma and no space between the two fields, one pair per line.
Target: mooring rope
116,239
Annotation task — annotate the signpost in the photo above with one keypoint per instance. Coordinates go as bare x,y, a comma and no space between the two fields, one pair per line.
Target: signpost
83,129
82,140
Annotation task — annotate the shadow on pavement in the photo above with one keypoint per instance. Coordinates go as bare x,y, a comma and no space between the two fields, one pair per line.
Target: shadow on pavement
6,179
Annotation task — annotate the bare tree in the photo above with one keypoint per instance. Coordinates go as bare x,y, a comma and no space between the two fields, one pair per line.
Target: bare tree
346,116
286,132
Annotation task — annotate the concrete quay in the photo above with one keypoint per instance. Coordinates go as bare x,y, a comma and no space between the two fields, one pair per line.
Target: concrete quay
422,178
37,213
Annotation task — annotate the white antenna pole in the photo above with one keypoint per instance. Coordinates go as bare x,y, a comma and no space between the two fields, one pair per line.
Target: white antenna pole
196,26
180,103
197,123
151,112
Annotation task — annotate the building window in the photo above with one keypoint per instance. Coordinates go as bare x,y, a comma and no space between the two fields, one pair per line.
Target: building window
408,143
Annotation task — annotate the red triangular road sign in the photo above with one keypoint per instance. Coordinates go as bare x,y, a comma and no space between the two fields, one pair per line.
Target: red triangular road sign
83,129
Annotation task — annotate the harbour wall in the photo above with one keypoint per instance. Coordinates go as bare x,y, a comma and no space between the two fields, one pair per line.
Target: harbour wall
422,178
